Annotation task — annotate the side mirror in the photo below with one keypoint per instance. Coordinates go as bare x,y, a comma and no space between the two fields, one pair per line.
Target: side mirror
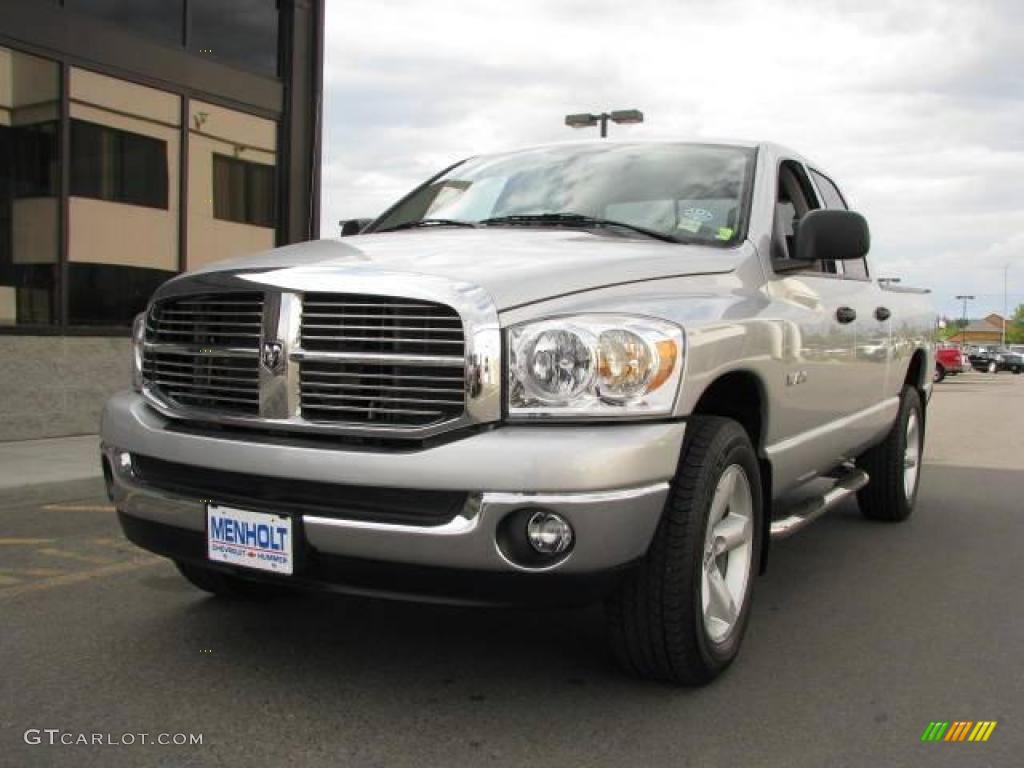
832,234
351,227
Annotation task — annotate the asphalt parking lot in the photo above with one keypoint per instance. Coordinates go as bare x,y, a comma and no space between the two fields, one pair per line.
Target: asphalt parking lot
861,635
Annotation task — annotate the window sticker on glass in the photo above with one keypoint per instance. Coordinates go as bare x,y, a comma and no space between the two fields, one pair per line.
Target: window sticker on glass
698,214
689,225
724,233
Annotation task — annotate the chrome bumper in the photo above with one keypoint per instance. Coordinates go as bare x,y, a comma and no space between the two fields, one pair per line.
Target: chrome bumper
610,482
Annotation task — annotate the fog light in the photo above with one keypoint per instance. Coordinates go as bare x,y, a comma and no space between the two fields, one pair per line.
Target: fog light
548,533
124,461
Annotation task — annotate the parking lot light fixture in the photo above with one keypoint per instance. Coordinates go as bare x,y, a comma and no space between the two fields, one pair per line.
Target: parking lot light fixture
620,116
963,328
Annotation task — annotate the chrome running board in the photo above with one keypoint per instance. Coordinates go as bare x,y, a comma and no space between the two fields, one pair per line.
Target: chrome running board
808,511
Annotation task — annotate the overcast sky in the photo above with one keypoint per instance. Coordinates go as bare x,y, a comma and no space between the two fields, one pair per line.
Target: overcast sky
916,108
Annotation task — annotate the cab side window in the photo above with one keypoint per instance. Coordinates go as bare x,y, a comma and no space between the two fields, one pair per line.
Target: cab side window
794,198
834,199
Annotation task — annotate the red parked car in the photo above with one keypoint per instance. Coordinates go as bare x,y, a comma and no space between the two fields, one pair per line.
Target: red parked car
949,361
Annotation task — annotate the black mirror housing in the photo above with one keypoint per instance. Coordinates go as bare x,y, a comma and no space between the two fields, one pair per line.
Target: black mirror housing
832,234
351,227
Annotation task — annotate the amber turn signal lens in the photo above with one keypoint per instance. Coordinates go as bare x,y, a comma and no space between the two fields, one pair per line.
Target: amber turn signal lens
666,364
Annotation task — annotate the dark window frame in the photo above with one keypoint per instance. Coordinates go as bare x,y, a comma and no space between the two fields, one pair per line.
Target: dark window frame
822,182
111,157
253,213
801,173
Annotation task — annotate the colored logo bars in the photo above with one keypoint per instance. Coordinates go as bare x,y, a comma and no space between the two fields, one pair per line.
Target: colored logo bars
959,730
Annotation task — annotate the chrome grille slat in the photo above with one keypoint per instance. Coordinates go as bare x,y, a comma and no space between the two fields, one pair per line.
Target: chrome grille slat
330,386
202,352
382,339
360,399
391,328
396,303
374,410
349,316
368,361
190,324
161,372
205,387
165,364
394,376
204,400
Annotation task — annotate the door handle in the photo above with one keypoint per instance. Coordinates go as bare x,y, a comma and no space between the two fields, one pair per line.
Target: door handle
846,314
882,314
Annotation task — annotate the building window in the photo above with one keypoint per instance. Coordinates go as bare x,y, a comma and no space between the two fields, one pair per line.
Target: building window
160,19
29,199
243,191
118,166
239,32
232,159
123,218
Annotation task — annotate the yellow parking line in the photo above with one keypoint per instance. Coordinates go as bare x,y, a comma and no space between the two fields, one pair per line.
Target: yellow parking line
78,507
23,542
76,578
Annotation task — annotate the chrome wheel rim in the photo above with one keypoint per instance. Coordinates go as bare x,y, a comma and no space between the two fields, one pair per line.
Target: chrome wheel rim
911,456
728,553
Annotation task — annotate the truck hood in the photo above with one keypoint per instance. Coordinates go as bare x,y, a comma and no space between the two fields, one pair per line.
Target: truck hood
516,266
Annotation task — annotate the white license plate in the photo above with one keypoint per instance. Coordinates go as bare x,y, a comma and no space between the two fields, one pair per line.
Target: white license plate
249,539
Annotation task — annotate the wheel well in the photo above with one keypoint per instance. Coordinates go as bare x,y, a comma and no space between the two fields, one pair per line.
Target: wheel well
740,396
915,372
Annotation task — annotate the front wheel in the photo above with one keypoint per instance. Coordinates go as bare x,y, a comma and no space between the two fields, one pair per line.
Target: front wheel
680,615
894,465
940,374
992,368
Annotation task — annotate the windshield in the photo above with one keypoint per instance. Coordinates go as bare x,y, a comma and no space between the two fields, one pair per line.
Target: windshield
689,192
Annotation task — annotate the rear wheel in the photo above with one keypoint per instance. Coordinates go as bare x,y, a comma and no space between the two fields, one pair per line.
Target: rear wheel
680,615
894,466
228,585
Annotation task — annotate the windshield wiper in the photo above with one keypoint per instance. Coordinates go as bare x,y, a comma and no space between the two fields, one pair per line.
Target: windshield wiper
428,223
578,220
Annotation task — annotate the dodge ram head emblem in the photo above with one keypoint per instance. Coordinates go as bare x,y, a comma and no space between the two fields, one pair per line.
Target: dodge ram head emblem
272,355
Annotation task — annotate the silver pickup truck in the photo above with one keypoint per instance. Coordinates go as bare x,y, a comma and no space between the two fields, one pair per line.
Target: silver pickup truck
586,371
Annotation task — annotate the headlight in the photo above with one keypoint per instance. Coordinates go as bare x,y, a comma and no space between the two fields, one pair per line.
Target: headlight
138,339
600,366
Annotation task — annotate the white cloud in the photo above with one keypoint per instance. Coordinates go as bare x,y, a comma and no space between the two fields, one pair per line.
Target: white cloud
915,108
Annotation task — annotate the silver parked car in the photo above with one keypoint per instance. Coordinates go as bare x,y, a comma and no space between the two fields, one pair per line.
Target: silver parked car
573,372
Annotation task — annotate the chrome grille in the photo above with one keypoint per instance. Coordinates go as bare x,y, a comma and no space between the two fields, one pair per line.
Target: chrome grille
373,360
203,351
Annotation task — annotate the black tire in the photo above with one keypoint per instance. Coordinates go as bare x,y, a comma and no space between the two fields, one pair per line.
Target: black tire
992,368
655,616
940,373
885,498
227,585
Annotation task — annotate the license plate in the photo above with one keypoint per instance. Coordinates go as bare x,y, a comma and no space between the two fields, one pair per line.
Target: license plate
250,539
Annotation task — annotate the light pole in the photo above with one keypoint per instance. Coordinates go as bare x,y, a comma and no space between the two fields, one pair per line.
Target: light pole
620,116
1006,270
963,328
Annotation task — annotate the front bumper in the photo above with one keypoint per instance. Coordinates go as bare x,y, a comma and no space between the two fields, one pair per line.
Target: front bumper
610,482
